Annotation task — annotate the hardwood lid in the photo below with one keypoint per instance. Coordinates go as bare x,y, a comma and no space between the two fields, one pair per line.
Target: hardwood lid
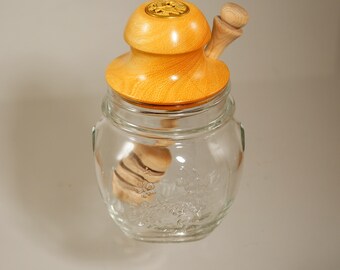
167,64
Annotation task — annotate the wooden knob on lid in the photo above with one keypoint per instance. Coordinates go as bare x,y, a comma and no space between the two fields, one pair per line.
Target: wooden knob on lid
167,27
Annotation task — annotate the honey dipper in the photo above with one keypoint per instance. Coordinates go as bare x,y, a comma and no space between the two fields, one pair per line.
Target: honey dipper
135,176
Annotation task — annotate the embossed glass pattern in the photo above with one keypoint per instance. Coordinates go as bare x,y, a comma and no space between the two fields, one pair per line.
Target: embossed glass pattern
168,175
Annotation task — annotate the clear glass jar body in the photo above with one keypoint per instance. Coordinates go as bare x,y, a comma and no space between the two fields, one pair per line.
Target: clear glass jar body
186,199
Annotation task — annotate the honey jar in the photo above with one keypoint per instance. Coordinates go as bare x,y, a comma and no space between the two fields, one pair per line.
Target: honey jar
168,151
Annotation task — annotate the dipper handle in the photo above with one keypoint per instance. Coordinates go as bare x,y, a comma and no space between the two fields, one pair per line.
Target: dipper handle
227,27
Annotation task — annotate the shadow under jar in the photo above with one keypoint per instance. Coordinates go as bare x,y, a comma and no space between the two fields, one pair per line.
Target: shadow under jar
168,173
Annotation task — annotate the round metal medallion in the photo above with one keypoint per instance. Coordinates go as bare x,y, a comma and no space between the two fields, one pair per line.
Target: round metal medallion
167,9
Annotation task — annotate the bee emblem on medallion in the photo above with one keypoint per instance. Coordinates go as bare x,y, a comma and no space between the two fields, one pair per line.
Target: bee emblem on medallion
167,9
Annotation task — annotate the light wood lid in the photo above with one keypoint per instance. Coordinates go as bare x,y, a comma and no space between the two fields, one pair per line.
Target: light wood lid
167,64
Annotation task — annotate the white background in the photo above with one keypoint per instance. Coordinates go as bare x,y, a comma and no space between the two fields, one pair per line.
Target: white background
285,72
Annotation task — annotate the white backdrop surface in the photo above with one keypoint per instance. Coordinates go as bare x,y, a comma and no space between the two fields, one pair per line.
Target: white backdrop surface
285,73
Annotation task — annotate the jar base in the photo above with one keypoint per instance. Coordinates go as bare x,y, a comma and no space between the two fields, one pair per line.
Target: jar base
169,234
178,236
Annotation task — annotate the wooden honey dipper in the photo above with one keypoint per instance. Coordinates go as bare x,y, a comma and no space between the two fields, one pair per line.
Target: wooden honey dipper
135,176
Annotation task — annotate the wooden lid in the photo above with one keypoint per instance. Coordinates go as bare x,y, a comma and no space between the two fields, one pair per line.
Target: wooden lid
167,64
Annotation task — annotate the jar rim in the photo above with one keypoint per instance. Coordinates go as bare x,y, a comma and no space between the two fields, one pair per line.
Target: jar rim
181,123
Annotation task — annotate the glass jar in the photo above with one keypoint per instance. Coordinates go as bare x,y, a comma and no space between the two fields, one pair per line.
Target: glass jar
168,173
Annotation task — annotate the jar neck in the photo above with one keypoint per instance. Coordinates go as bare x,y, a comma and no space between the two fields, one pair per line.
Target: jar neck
178,121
